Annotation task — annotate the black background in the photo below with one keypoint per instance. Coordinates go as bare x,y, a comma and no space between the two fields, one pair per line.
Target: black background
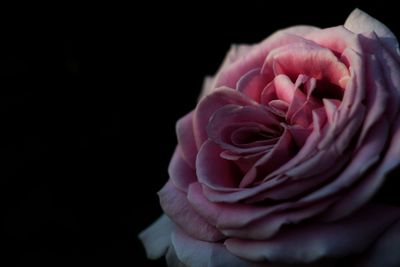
88,104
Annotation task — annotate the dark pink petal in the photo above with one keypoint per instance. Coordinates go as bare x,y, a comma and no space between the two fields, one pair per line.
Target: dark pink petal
186,141
252,84
385,251
209,104
300,109
299,134
309,59
157,237
360,22
279,155
214,171
310,242
268,94
195,253
309,148
176,206
254,124
181,174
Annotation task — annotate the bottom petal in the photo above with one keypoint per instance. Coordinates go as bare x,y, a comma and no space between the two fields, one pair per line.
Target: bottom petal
157,237
195,253
314,241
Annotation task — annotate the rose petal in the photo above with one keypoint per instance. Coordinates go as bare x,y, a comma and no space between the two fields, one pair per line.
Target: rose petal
176,206
336,39
252,83
306,58
206,108
172,258
360,194
363,159
310,242
280,154
214,171
255,57
389,70
229,119
240,219
186,141
181,174
157,237
360,22
196,253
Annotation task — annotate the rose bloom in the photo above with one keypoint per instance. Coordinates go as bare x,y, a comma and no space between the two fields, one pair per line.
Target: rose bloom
279,161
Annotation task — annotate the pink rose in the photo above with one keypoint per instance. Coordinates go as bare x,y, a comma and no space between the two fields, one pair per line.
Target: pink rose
277,164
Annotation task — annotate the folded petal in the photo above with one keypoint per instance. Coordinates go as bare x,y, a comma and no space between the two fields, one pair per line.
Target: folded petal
215,171
252,83
209,104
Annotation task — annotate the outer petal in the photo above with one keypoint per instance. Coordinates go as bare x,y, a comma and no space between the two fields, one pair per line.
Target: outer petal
186,141
360,22
310,242
157,237
181,174
385,251
196,253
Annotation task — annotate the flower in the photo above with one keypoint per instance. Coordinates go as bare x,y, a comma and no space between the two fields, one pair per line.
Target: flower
279,161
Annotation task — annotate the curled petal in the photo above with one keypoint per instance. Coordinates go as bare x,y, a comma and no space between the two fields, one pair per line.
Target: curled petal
230,75
360,22
214,171
309,59
208,105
